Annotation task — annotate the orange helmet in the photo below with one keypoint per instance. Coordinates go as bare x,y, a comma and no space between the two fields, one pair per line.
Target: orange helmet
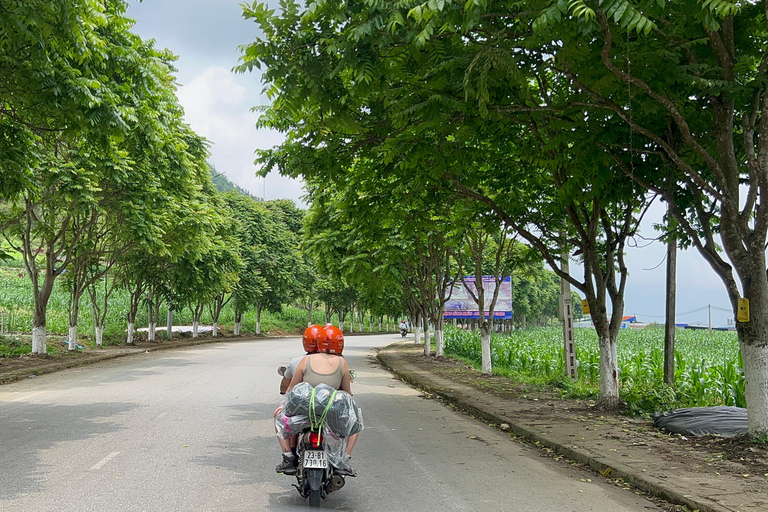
332,342
311,338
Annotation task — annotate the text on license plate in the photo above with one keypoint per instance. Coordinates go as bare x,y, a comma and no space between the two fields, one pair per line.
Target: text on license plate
315,459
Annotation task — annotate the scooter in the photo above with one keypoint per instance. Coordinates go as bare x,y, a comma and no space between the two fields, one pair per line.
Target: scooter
403,331
315,476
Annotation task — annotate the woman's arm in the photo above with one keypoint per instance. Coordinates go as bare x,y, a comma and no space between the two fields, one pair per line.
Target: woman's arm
346,380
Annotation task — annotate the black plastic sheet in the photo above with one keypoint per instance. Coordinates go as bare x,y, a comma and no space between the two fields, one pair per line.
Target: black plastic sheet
703,421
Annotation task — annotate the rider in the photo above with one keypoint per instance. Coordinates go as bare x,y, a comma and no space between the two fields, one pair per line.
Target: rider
309,340
403,325
327,366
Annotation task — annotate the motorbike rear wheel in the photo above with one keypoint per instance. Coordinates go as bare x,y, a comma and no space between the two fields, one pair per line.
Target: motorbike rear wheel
314,498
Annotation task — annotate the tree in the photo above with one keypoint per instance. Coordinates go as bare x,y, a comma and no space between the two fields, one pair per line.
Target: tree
455,112
697,113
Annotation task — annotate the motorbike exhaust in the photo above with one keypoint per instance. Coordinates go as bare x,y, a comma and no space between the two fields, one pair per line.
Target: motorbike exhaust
336,483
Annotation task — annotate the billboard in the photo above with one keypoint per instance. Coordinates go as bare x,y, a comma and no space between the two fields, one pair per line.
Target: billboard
462,305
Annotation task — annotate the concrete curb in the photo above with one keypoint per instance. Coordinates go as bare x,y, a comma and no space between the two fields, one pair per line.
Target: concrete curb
607,467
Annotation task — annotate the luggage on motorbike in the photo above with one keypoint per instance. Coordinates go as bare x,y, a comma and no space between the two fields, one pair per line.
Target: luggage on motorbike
290,425
342,415
297,400
336,448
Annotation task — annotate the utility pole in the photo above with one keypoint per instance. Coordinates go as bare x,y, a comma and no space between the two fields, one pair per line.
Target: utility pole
669,320
566,314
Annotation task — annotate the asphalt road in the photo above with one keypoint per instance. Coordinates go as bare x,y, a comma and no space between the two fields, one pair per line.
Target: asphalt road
191,430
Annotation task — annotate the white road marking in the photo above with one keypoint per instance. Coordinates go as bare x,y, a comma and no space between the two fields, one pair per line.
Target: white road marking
161,415
26,397
103,461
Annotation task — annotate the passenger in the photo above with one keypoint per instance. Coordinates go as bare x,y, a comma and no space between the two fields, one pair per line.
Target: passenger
328,367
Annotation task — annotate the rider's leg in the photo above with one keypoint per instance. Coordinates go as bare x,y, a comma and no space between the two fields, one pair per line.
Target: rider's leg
351,440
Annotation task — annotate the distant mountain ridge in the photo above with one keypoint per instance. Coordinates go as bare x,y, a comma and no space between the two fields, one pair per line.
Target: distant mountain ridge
223,184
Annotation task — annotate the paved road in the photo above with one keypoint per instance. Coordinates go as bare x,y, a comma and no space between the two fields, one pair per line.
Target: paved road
191,430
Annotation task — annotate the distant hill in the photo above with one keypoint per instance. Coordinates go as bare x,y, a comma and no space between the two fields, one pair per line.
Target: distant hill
222,184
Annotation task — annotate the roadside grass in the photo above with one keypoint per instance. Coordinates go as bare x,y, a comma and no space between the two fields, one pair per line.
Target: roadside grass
17,306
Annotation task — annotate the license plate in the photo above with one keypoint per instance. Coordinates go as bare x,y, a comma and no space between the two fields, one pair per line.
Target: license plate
315,459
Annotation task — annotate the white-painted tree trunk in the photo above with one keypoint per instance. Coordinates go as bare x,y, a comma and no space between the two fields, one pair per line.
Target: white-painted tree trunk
72,339
215,329
416,335
609,372
131,330
195,326
169,325
152,331
440,349
485,350
756,390
99,336
237,328
427,342
38,340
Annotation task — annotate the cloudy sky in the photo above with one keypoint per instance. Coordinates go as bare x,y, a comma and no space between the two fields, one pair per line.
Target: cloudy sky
205,35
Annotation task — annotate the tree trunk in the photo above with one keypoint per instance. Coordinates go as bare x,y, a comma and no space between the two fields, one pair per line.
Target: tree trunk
427,341
485,347
609,377
72,338
440,340
238,321
258,321
99,336
72,335
133,309
169,324
195,327
755,356
416,334
42,296
38,339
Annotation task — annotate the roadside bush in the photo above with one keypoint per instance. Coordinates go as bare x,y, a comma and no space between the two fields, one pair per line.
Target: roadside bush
11,346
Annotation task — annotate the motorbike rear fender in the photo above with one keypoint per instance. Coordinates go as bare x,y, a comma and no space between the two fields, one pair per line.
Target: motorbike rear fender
315,478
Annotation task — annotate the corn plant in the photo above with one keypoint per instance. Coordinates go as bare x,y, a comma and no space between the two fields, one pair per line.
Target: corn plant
708,370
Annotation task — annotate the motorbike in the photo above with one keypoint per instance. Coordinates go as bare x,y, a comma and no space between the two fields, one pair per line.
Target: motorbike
315,476
403,331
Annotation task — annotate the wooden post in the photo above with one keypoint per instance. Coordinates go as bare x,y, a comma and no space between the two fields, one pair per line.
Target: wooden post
566,315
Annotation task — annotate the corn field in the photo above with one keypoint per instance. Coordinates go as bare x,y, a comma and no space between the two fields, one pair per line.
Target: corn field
708,367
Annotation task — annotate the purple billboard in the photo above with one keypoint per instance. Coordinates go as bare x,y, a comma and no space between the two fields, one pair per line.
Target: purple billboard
462,305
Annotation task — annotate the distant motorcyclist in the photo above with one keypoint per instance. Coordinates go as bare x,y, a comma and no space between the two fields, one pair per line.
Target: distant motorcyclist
403,328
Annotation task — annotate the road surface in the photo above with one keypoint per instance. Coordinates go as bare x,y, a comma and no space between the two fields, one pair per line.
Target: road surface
191,430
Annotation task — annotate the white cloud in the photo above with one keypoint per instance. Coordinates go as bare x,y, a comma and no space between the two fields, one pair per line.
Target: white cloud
217,106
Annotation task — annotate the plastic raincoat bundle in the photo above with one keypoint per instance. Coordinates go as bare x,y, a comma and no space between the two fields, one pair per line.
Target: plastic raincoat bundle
338,409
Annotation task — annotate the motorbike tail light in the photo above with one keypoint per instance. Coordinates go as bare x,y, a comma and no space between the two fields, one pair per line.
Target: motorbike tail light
315,439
